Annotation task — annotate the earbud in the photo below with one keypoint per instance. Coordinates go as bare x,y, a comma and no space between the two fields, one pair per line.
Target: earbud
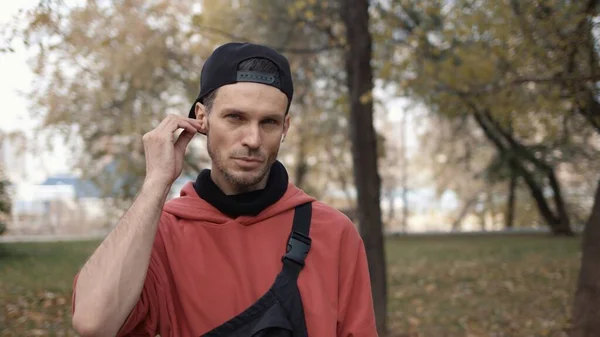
282,138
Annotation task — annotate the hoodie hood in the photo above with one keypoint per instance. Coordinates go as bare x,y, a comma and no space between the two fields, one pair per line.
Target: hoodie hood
191,207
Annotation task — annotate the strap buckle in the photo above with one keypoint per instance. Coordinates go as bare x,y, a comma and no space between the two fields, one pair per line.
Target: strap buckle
297,248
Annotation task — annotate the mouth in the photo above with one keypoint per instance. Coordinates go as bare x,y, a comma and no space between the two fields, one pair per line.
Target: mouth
249,159
248,162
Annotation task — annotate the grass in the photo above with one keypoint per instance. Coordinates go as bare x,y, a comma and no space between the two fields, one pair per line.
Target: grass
438,286
482,285
35,287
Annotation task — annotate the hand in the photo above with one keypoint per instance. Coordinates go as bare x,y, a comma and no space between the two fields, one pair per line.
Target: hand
164,154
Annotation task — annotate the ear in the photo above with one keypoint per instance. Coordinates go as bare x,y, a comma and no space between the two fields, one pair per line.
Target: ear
202,116
286,126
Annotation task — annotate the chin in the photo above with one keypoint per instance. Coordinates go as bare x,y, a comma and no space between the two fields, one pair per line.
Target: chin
242,177
248,178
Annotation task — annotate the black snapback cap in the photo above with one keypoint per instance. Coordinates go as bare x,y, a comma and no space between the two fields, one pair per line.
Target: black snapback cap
221,68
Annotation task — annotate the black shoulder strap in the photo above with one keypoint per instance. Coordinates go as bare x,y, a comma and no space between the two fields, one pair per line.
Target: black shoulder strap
302,217
299,241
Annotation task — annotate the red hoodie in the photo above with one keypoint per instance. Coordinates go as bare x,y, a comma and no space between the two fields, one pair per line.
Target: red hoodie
206,268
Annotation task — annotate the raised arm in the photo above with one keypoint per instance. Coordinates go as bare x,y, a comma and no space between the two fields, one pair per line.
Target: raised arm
111,281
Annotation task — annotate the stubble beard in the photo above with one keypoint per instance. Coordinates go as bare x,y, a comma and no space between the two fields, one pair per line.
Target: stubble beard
243,182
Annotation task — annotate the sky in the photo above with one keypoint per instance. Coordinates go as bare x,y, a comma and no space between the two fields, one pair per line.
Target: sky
15,76
15,79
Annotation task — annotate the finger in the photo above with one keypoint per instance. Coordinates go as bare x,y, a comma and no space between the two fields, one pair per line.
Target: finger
197,123
194,122
166,121
172,123
177,124
184,139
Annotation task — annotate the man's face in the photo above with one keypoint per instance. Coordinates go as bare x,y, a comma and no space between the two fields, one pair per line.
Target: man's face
244,131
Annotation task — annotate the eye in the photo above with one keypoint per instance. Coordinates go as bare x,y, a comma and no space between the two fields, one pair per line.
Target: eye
270,121
233,117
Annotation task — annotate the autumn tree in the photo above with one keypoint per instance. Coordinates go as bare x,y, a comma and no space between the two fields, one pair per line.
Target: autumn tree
435,51
91,72
106,73
526,74
457,157
113,64
394,168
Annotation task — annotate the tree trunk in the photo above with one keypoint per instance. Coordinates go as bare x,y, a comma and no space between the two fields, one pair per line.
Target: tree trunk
504,143
404,160
553,221
564,224
457,223
301,169
482,220
340,174
586,310
490,209
510,207
359,76
391,197
560,224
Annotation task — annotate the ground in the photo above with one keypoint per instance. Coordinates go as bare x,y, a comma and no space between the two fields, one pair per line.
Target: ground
463,286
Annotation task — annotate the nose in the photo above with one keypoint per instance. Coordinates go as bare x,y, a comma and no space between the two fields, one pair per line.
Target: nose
252,137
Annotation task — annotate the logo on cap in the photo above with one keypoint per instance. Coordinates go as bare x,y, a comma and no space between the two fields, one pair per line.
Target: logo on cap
254,76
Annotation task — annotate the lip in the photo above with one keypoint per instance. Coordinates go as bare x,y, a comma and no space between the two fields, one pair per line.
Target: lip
247,163
248,159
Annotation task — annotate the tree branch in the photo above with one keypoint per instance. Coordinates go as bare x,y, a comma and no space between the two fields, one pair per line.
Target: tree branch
534,188
281,49
516,82
515,145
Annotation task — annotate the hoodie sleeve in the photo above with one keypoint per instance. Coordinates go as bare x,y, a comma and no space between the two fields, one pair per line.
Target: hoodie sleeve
356,315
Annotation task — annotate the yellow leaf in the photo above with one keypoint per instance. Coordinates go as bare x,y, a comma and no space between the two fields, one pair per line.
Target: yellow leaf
309,15
430,288
413,321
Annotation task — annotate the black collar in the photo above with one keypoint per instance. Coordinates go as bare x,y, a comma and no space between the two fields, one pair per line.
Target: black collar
251,203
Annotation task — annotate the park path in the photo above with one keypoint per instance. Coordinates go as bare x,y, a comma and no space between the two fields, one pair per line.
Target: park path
100,236
49,238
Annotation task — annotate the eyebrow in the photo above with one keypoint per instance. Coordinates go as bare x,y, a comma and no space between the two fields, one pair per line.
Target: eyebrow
236,111
274,116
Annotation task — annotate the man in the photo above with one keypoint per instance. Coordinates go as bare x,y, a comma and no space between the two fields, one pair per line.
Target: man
242,251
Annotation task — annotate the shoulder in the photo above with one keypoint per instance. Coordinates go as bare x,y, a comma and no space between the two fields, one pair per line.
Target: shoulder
168,226
333,220
321,209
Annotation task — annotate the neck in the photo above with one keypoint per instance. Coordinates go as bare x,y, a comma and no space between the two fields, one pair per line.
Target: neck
229,188
234,201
